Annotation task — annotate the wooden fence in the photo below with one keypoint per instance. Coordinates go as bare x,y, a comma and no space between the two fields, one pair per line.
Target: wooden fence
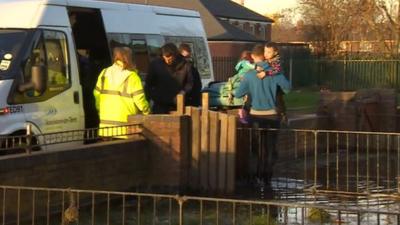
213,147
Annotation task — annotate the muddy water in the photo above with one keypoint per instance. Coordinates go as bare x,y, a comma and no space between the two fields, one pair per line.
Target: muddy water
363,196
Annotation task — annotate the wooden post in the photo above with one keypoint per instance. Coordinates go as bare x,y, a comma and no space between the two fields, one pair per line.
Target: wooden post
188,110
213,155
222,152
291,72
232,126
205,132
196,148
28,138
205,101
180,104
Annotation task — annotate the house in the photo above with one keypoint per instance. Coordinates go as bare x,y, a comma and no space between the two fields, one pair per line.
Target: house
230,27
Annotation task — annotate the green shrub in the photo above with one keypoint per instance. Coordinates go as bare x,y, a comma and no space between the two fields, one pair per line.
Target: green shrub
263,220
318,216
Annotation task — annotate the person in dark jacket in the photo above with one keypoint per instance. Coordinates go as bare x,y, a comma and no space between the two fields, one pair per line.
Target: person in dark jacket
194,97
167,77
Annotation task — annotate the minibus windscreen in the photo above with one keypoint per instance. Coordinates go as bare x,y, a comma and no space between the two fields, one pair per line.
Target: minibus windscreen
11,42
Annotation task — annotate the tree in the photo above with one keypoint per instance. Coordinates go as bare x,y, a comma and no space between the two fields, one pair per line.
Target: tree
391,12
330,22
284,28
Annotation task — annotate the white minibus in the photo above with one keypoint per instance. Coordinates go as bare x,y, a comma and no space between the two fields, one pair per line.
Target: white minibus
52,51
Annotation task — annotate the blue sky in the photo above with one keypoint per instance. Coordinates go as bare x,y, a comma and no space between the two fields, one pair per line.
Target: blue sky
269,6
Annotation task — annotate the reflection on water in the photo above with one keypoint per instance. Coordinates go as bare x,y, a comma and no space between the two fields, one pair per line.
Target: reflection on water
376,200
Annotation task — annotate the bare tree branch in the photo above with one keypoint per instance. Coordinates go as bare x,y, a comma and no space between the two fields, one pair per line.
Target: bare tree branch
328,23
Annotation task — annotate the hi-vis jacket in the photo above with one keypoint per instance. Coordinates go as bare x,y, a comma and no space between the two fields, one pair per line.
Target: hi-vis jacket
118,93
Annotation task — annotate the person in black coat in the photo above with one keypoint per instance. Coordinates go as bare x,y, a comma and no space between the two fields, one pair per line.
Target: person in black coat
167,77
194,97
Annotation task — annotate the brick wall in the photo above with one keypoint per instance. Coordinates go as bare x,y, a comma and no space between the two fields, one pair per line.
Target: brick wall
97,166
159,163
169,146
119,165
229,49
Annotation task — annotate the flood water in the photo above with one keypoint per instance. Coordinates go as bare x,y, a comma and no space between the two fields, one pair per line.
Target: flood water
162,211
337,196
296,191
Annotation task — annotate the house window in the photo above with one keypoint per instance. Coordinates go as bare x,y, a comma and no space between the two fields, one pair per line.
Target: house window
257,30
366,46
262,32
252,30
241,26
267,34
246,27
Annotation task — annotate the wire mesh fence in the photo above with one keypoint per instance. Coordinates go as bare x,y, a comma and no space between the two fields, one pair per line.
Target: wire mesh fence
28,205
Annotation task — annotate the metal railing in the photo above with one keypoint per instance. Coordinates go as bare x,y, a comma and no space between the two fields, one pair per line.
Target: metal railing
334,74
224,67
29,205
365,163
32,142
345,74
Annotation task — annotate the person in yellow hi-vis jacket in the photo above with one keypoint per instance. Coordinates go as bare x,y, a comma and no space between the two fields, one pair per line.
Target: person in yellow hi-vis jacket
118,94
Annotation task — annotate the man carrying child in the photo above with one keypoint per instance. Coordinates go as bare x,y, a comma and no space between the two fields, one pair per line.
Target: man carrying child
262,86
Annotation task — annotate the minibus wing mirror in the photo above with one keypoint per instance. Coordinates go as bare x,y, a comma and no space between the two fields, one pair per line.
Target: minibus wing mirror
38,81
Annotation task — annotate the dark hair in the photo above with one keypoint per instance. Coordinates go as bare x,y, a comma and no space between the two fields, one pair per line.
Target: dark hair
258,50
272,45
245,55
123,54
185,47
169,49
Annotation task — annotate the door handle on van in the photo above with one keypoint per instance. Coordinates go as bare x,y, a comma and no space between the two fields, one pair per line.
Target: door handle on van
76,97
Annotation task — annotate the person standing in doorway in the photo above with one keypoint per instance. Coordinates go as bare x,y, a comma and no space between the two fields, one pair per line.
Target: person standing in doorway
167,77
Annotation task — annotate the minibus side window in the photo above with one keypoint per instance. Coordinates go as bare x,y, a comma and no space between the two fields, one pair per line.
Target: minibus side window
154,43
140,56
199,53
115,40
50,54
202,58
137,43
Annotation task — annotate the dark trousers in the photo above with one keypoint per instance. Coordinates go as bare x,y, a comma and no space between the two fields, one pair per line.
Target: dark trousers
264,144
159,108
